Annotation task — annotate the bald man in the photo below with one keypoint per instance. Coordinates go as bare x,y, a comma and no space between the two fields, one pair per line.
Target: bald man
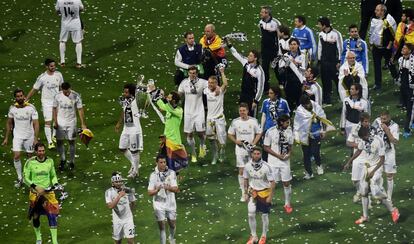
213,43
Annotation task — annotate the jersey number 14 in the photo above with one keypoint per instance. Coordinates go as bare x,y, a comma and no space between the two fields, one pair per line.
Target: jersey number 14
68,11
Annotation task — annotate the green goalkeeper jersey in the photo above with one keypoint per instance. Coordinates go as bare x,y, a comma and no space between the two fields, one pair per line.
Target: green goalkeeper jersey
172,121
39,173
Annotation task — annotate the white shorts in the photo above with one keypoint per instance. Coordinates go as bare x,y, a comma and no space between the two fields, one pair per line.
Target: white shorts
163,215
76,35
282,173
47,112
375,184
242,160
390,165
66,133
133,142
216,129
123,230
195,123
357,170
23,145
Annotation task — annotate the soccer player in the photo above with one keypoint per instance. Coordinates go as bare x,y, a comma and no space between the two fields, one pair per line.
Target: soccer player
162,187
310,85
352,107
358,164
329,56
49,83
216,122
40,175
122,202
23,119
172,146
406,78
243,130
65,105
372,151
69,10
356,45
131,141
194,119
278,143
259,185
388,131
306,38
253,79
309,129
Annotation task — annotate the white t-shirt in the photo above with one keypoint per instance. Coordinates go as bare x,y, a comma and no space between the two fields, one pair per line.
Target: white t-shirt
163,200
131,116
69,10
394,128
214,103
193,92
23,121
259,179
279,141
244,130
122,212
49,85
66,108
371,150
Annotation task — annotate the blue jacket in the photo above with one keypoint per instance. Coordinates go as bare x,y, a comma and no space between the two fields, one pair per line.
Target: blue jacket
359,47
306,39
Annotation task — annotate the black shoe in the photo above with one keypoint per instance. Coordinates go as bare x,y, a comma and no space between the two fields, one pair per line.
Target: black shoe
71,165
62,165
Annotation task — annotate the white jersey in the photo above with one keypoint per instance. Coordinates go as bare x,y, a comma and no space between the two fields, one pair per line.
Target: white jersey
259,178
279,141
372,150
69,10
23,121
131,116
214,103
394,128
66,108
193,95
122,211
49,85
163,200
244,130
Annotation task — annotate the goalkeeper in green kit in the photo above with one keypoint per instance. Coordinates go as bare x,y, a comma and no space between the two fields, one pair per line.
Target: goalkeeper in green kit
40,175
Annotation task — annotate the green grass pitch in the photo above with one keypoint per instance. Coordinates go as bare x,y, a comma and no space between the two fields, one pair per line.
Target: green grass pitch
126,38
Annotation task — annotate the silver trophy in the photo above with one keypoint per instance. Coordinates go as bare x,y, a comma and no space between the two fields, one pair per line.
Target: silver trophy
146,92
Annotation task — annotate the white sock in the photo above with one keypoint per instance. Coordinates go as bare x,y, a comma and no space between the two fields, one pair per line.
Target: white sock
48,134
388,204
62,49
191,143
241,183
18,167
213,145
72,151
128,155
135,161
163,237
61,150
252,223
265,222
78,49
390,188
364,201
288,193
357,187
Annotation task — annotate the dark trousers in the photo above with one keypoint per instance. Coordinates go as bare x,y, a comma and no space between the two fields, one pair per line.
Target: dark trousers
178,77
377,55
249,101
328,76
367,13
312,149
266,61
409,114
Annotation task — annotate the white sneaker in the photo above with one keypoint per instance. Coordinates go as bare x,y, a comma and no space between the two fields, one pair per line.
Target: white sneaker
171,240
133,174
319,170
18,183
242,199
39,242
308,176
131,170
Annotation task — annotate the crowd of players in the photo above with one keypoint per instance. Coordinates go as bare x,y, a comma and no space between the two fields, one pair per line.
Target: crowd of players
202,83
